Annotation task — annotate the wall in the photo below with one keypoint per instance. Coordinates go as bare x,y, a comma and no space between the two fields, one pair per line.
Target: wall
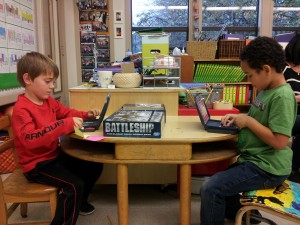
70,42
69,37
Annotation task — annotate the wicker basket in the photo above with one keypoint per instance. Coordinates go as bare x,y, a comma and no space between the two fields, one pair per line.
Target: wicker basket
230,48
202,50
127,80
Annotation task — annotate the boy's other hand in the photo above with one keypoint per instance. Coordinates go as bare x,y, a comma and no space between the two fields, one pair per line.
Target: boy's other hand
240,120
78,122
93,113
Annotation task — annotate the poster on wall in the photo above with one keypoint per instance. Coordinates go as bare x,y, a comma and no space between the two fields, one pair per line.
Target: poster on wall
14,56
94,31
17,36
27,18
12,12
3,38
2,11
99,4
4,62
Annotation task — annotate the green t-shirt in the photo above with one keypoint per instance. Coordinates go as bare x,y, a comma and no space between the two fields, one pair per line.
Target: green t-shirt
275,108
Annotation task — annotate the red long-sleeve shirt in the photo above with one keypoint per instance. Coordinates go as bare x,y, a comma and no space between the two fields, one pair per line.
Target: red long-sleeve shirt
37,129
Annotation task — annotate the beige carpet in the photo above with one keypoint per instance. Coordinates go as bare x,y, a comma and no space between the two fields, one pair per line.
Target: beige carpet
148,205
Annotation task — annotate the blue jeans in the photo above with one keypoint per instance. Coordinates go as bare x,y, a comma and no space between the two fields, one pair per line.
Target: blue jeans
226,184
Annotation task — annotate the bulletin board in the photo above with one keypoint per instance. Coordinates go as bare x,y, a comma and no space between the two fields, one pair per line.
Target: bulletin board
94,33
17,37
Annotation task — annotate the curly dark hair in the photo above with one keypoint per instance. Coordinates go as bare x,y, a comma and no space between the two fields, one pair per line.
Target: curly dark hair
264,51
292,50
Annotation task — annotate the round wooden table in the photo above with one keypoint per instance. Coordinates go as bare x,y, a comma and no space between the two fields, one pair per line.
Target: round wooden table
183,142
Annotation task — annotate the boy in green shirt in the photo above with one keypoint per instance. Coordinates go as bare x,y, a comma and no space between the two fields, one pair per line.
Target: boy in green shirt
264,156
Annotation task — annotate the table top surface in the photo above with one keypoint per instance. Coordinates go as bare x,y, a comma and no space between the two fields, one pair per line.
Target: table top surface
177,129
83,88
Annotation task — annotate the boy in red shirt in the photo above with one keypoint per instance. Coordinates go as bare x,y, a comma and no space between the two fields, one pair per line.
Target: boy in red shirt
38,121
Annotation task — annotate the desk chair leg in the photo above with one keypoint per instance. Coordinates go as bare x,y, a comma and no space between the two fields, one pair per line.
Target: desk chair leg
10,209
3,212
23,209
246,211
185,194
122,187
53,204
240,214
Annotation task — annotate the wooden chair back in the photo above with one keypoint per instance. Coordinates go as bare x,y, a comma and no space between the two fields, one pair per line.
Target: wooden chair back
15,190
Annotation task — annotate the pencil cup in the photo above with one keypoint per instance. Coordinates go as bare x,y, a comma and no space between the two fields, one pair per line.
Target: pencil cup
105,78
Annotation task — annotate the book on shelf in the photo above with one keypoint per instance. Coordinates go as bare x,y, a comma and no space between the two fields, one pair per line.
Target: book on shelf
217,73
238,93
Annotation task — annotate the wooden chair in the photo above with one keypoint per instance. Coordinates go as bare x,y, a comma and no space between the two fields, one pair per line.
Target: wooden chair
282,201
16,190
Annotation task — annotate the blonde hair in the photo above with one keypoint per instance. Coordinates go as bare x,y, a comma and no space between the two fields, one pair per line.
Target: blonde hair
35,64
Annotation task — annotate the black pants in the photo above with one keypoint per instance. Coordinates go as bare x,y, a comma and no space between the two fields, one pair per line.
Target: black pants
74,179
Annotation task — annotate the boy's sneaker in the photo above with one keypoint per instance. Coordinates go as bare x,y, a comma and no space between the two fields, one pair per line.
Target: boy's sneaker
86,209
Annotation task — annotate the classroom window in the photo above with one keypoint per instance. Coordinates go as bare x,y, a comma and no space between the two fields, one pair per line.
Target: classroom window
235,17
171,15
286,16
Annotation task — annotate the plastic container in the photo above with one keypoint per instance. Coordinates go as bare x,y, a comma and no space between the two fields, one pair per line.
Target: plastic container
128,53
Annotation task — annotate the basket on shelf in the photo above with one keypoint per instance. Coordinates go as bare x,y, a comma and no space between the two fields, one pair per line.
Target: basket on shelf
127,80
202,50
230,48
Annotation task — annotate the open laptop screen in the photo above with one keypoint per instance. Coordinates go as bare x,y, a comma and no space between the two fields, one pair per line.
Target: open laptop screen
202,109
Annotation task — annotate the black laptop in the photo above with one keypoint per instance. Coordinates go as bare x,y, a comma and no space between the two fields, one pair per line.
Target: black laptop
94,124
209,124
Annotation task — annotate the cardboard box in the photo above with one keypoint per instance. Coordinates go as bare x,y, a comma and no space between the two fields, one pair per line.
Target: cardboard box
134,124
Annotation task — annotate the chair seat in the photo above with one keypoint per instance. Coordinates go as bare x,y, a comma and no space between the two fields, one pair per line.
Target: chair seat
17,185
282,201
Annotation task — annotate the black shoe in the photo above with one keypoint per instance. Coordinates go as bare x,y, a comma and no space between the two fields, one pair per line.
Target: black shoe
86,209
254,214
295,176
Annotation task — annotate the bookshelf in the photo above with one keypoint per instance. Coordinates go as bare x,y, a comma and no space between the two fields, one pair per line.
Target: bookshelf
241,93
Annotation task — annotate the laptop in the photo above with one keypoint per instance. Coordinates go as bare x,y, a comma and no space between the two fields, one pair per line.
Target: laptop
91,125
209,124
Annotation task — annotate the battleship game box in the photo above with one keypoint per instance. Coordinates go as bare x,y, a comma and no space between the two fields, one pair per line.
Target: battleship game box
135,124
148,106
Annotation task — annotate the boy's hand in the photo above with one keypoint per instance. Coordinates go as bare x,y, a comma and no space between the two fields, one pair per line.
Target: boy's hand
93,113
228,119
240,120
78,122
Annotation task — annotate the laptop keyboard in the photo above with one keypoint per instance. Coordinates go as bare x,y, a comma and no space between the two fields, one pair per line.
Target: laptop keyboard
221,125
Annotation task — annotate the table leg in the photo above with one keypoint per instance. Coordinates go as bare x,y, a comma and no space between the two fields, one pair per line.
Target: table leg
185,194
122,188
